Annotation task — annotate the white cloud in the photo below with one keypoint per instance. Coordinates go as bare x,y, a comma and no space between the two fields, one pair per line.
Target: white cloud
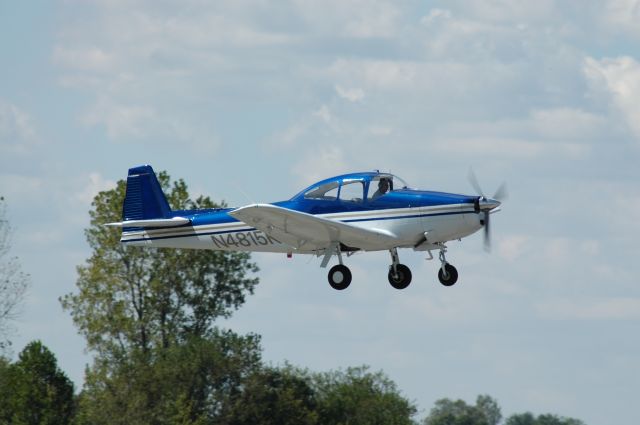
352,94
564,123
95,183
122,121
381,74
23,187
512,247
320,163
619,78
435,15
623,16
380,131
351,18
610,308
83,58
17,131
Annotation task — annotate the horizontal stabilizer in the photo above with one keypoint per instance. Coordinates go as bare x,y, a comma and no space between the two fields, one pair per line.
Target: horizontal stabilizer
154,222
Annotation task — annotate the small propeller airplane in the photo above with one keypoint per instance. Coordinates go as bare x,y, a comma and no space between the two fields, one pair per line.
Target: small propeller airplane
369,211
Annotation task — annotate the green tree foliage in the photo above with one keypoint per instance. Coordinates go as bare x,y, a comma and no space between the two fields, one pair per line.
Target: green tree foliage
149,316
33,390
358,396
186,383
274,396
547,419
448,412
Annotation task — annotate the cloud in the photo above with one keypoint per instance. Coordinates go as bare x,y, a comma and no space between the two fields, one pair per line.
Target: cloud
359,19
619,79
17,131
16,186
320,163
610,308
122,121
83,58
352,94
95,183
623,16
512,247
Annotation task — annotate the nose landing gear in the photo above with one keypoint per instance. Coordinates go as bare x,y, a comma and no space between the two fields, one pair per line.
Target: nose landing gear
447,275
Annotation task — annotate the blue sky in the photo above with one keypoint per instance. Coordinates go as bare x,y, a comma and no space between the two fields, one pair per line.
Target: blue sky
249,101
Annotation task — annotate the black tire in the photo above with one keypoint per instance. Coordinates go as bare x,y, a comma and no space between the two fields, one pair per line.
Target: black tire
402,278
339,277
451,276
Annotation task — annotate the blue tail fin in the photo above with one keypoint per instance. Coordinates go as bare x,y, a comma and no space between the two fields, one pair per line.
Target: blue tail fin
144,199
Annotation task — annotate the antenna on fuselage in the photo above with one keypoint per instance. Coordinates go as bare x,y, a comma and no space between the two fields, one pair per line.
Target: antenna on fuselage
243,193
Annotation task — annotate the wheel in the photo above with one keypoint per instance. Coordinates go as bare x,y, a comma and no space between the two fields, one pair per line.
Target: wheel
449,277
339,277
402,278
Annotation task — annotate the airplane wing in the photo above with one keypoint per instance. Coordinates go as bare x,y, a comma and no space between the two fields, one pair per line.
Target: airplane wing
309,232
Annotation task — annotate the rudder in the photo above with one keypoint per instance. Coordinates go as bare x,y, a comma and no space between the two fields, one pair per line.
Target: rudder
144,198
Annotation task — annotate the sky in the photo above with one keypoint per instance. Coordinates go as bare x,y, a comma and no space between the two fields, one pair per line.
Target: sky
252,100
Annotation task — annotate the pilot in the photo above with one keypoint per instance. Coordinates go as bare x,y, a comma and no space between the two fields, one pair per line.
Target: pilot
383,187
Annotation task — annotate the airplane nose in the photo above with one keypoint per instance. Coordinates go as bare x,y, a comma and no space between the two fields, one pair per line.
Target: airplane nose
488,204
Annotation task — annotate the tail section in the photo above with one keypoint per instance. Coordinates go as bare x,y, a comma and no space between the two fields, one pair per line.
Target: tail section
144,199
145,204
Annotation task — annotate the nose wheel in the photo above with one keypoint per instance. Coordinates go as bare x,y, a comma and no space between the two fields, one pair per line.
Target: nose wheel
447,275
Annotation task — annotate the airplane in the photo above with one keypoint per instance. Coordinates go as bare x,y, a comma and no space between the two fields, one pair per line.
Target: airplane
349,213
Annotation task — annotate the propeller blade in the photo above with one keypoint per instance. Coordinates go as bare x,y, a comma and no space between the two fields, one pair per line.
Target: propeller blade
473,180
487,231
502,193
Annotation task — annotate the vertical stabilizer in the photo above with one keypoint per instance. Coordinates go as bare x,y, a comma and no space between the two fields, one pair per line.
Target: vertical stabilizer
144,199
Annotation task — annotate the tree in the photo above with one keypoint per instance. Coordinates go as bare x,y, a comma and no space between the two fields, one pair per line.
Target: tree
13,282
357,396
187,383
448,412
139,308
35,390
547,419
274,396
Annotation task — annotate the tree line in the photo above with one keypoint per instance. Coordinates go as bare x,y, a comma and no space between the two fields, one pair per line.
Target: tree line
149,319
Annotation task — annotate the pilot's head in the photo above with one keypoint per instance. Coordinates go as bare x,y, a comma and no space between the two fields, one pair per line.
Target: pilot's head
383,185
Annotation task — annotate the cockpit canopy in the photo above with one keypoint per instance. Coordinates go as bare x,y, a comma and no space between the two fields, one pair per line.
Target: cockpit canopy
353,187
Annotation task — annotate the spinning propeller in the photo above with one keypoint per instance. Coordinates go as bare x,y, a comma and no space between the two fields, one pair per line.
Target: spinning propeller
486,206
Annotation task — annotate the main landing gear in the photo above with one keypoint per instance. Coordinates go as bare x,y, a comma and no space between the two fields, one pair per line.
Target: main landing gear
399,274
339,275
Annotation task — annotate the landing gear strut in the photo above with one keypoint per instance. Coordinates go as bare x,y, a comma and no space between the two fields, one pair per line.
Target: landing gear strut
448,275
399,274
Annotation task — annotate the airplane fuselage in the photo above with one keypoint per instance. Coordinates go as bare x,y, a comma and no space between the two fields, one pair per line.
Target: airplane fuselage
407,214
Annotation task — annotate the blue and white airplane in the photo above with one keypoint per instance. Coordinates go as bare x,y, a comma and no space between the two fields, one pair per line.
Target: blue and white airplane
370,211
